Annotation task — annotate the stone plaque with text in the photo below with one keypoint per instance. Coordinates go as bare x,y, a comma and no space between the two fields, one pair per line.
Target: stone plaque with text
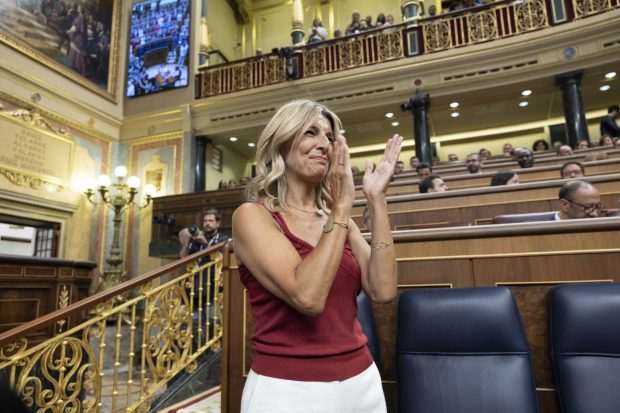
27,149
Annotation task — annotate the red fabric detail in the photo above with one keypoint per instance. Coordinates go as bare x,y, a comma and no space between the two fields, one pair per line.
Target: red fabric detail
293,346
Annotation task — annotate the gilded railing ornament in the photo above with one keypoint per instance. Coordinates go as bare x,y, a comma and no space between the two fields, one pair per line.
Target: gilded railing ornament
54,379
585,8
482,26
531,15
437,36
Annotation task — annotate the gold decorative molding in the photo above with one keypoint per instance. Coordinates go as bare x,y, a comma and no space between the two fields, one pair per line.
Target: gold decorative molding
24,104
21,179
63,301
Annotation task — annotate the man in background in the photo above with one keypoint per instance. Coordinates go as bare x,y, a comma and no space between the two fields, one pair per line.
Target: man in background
608,123
473,164
432,183
423,169
572,170
525,158
579,199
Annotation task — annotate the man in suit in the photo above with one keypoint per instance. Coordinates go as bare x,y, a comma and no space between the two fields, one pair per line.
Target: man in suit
609,126
579,199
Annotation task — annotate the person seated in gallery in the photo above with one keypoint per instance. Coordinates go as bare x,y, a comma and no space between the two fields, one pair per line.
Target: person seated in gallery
504,178
540,145
453,157
432,183
485,154
399,168
572,170
423,169
579,199
473,164
606,141
414,161
565,150
582,144
525,158
507,150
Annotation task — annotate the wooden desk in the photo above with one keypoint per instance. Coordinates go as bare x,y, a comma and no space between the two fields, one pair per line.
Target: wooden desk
480,205
528,258
539,173
31,287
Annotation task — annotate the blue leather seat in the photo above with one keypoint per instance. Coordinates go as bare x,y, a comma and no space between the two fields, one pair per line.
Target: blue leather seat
462,351
367,320
584,329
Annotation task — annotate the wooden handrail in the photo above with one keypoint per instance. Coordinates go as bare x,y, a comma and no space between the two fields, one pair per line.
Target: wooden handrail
101,297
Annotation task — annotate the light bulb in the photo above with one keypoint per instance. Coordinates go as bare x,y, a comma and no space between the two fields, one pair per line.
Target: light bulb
90,183
133,182
103,180
149,189
120,171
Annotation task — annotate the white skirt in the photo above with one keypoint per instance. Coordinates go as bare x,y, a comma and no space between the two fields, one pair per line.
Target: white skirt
359,394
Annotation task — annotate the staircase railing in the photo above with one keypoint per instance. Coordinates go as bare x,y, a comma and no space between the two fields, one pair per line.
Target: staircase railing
131,340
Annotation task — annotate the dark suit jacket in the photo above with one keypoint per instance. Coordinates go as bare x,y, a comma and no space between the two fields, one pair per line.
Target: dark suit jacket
609,126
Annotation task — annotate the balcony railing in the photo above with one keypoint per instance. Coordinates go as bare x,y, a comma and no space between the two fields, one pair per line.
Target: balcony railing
476,25
131,341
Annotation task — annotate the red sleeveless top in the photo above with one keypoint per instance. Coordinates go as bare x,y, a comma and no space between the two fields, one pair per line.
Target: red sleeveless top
293,346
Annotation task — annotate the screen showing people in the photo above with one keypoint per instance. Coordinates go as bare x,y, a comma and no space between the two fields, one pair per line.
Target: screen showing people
158,46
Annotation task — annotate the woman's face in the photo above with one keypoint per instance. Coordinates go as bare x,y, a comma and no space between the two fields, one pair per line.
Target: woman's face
607,141
582,145
310,155
540,146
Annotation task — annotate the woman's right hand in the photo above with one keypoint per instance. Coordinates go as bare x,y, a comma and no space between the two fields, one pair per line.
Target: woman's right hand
340,178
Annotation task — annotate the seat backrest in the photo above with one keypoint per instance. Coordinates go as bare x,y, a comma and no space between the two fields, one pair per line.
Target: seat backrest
463,350
367,319
531,217
584,329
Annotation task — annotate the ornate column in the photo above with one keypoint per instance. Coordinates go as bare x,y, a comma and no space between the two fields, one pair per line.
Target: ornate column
203,54
200,165
576,124
297,34
419,105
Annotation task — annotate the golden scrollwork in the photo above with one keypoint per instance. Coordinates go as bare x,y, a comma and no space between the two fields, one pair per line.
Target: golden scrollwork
54,379
63,301
275,70
168,320
130,347
314,61
21,179
482,26
351,53
587,7
437,36
390,46
531,15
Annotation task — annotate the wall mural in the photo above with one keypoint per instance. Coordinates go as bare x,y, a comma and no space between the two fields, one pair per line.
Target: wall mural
77,39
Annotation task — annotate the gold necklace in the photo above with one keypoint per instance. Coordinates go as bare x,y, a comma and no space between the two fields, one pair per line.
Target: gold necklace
318,212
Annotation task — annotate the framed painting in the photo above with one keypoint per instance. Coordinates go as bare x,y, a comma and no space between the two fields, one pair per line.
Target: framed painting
79,39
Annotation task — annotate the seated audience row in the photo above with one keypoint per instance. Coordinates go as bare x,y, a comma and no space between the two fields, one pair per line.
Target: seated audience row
232,183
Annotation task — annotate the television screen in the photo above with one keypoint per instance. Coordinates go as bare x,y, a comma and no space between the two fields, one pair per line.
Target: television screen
159,46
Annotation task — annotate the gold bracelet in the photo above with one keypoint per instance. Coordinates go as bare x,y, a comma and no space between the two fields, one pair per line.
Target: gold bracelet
342,224
380,244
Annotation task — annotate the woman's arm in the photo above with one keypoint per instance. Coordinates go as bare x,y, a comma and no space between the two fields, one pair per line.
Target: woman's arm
378,260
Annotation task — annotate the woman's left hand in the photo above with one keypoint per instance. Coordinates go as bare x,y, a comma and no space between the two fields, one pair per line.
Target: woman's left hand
376,182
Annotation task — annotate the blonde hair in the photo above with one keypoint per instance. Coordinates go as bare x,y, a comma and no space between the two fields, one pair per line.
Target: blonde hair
289,124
